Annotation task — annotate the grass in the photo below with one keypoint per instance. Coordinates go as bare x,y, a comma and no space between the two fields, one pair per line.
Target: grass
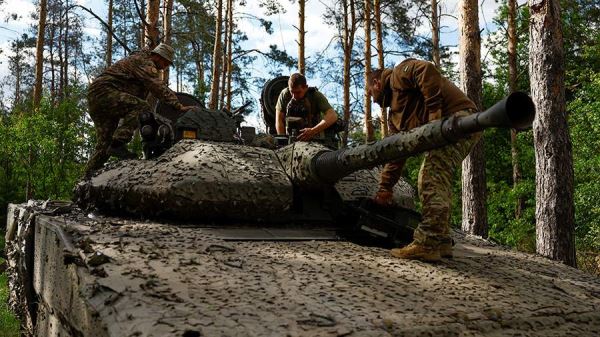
9,325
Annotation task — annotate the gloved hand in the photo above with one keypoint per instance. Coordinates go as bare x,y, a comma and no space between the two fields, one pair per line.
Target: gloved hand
384,198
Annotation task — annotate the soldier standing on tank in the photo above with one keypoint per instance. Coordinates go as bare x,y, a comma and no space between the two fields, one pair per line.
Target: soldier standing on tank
416,94
300,100
119,95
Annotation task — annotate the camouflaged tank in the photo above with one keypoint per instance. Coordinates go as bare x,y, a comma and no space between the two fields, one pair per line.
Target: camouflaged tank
216,234
203,168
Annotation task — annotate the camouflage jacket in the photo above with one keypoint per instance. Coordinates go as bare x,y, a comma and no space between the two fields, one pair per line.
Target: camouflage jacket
137,75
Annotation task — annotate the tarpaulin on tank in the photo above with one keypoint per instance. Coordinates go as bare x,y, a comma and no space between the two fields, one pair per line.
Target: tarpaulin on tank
194,180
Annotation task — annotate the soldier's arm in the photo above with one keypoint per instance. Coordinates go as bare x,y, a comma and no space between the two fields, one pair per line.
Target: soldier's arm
392,171
151,77
429,80
280,115
329,117
390,175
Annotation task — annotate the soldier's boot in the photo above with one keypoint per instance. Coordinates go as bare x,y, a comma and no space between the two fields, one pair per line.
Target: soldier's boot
119,149
446,248
418,251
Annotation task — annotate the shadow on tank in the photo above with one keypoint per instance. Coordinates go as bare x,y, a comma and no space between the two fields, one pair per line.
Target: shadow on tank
203,168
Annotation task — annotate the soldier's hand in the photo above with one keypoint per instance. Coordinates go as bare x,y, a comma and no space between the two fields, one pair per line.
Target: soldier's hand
186,108
306,134
384,198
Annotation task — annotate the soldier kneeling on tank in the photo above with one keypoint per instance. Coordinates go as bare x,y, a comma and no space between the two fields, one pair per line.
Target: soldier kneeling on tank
417,94
118,96
304,114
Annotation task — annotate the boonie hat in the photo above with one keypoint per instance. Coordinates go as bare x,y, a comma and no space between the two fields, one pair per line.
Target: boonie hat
165,51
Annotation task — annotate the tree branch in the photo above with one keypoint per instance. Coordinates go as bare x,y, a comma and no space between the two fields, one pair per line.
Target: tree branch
103,23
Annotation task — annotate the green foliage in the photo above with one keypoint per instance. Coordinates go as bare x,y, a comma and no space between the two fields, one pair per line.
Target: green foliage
9,325
496,69
503,226
584,120
583,95
45,150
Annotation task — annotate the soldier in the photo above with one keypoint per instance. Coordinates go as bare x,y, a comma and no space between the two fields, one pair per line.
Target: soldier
300,100
119,94
417,93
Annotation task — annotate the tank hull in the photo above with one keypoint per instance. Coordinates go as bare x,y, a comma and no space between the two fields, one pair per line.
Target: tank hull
107,276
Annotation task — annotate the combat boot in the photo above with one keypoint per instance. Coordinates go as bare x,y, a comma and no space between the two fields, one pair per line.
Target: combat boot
446,250
121,152
417,251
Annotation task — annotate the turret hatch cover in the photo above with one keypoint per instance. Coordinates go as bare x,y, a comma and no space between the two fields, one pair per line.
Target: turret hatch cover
268,100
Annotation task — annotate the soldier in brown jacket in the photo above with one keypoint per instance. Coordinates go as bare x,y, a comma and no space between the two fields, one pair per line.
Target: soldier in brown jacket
416,94
118,96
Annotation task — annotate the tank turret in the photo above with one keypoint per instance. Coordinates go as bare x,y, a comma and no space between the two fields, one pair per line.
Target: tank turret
166,126
223,182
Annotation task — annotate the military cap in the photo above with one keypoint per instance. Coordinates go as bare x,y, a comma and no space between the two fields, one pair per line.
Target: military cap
165,51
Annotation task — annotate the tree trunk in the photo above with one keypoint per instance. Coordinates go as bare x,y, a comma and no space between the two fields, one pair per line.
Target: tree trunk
301,33
474,212
167,31
198,49
224,60
200,78
142,32
381,65
109,38
435,34
39,56
554,211
52,65
61,61
512,85
368,122
152,35
229,52
199,61
347,44
152,32
216,71
65,92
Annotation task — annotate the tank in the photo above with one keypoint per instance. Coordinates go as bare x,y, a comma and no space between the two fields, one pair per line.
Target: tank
220,179
224,237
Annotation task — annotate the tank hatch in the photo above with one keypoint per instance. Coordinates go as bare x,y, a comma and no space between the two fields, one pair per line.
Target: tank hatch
268,100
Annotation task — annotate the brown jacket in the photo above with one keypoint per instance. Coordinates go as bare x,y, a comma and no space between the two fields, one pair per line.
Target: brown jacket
417,94
136,75
420,94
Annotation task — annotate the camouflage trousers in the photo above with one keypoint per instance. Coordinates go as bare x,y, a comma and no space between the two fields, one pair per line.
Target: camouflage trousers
435,188
115,115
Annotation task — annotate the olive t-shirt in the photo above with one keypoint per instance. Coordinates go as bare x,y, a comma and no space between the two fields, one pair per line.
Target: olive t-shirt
316,98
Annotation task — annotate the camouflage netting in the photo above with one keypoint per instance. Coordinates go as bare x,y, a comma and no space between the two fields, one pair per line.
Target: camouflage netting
100,276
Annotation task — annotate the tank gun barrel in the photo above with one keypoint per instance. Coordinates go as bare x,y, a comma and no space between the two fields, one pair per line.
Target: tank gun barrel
515,111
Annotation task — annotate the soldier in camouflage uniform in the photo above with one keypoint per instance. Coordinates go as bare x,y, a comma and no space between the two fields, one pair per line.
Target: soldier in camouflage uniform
416,94
300,100
118,96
